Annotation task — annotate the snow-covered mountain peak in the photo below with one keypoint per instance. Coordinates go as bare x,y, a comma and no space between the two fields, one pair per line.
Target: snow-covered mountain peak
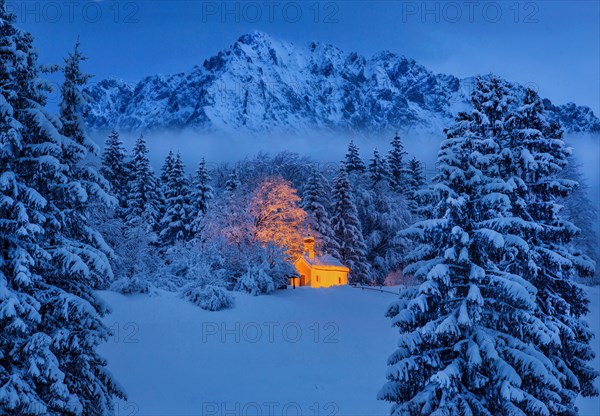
260,84
255,37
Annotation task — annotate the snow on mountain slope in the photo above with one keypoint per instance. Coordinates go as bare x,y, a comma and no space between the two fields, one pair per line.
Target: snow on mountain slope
260,84
305,351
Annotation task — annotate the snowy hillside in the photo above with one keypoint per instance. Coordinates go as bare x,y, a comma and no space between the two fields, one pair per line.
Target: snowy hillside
308,351
260,84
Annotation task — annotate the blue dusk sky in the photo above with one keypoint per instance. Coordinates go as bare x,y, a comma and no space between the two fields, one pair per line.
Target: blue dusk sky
553,45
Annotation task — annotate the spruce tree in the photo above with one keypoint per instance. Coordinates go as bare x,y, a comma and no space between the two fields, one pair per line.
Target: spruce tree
396,160
114,167
202,196
176,223
166,168
465,329
84,189
415,181
416,176
163,183
382,213
353,161
50,322
316,203
452,349
378,169
495,326
347,229
143,196
74,101
86,185
583,213
534,156
233,181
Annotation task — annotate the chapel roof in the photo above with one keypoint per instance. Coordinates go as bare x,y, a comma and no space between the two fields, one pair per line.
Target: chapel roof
324,260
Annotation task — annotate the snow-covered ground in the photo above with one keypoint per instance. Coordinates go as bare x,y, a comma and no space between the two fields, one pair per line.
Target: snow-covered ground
591,407
304,351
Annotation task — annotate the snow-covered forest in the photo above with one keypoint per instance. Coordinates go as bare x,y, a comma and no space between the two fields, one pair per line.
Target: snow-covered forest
491,257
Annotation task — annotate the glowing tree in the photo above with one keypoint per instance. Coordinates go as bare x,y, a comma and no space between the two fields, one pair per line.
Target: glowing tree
278,218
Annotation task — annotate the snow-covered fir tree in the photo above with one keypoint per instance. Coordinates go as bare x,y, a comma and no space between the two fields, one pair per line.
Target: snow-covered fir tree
396,161
316,203
382,213
73,101
136,259
163,180
415,181
416,175
84,189
130,236
347,229
143,195
581,211
50,320
176,222
87,189
233,181
115,168
166,168
534,157
378,169
256,280
495,327
458,341
202,196
354,163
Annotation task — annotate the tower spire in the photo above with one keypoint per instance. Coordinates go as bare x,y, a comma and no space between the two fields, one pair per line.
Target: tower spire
309,246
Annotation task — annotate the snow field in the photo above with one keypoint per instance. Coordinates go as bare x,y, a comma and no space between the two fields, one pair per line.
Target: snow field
296,352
